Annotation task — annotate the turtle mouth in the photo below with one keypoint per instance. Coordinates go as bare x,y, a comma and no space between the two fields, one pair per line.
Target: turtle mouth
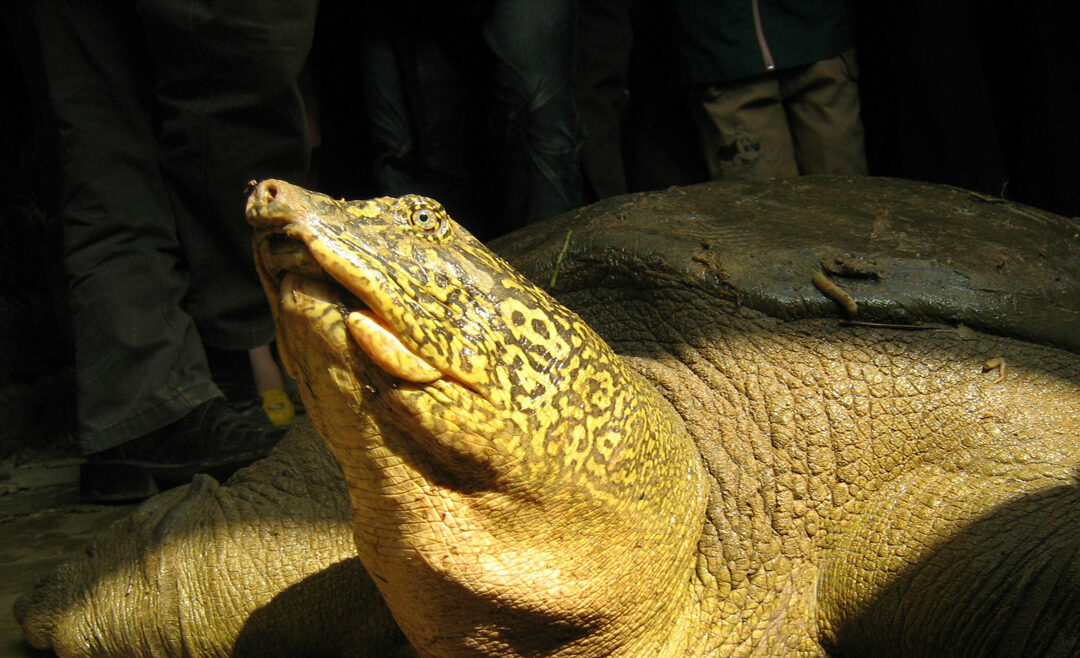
298,284
281,254
285,262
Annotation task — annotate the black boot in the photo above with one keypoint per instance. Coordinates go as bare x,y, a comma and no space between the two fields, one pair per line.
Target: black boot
213,438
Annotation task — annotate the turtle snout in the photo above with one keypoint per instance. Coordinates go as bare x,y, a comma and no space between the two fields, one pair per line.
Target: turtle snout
272,203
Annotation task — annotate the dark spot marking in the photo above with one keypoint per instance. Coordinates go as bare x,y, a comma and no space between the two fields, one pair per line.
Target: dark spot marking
540,327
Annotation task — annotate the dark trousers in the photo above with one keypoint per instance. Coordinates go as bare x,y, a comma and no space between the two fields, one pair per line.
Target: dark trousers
165,109
413,89
605,37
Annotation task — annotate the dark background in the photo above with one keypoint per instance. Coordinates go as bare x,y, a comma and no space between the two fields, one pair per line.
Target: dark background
978,95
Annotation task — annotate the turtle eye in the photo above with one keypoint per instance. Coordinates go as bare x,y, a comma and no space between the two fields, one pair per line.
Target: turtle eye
425,219
430,220
425,216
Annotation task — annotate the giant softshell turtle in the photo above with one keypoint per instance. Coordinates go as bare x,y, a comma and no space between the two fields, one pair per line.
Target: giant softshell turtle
900,481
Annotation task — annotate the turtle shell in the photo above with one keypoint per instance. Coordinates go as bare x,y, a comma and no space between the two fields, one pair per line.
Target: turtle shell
901,253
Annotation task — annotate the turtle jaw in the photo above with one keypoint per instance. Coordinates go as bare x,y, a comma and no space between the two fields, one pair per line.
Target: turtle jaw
459,501
434,302
284,260
290,272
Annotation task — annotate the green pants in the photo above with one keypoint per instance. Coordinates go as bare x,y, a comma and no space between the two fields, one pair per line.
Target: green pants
787,123
165,110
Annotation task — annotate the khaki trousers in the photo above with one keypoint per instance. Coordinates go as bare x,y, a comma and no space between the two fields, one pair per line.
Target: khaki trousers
788,123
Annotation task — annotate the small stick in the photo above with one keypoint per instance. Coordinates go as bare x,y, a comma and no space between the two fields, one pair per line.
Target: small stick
886,325
986,197
559,260
834,292
997,363
664,275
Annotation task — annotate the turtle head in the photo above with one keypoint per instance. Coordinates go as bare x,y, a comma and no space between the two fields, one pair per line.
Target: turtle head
514,486
427,301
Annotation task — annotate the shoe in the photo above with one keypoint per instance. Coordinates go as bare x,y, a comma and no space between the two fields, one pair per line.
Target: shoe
213,438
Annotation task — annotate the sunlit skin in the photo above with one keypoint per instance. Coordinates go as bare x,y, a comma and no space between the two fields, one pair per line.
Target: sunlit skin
749,476
767,487
462,401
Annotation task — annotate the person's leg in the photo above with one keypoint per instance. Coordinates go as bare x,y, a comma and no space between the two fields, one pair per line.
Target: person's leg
535,110
270,385
743,129
605,36
228,95
139,360
822,104
414,108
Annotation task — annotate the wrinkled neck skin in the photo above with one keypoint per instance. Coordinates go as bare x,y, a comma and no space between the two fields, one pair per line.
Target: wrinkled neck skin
566,529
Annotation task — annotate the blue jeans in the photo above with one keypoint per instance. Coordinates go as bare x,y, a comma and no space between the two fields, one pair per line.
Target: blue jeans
415,102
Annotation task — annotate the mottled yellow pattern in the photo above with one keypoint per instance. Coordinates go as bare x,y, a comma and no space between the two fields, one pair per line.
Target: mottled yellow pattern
734,485
512,424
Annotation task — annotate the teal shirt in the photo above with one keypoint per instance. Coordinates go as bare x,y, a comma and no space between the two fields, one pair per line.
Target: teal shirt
722,40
